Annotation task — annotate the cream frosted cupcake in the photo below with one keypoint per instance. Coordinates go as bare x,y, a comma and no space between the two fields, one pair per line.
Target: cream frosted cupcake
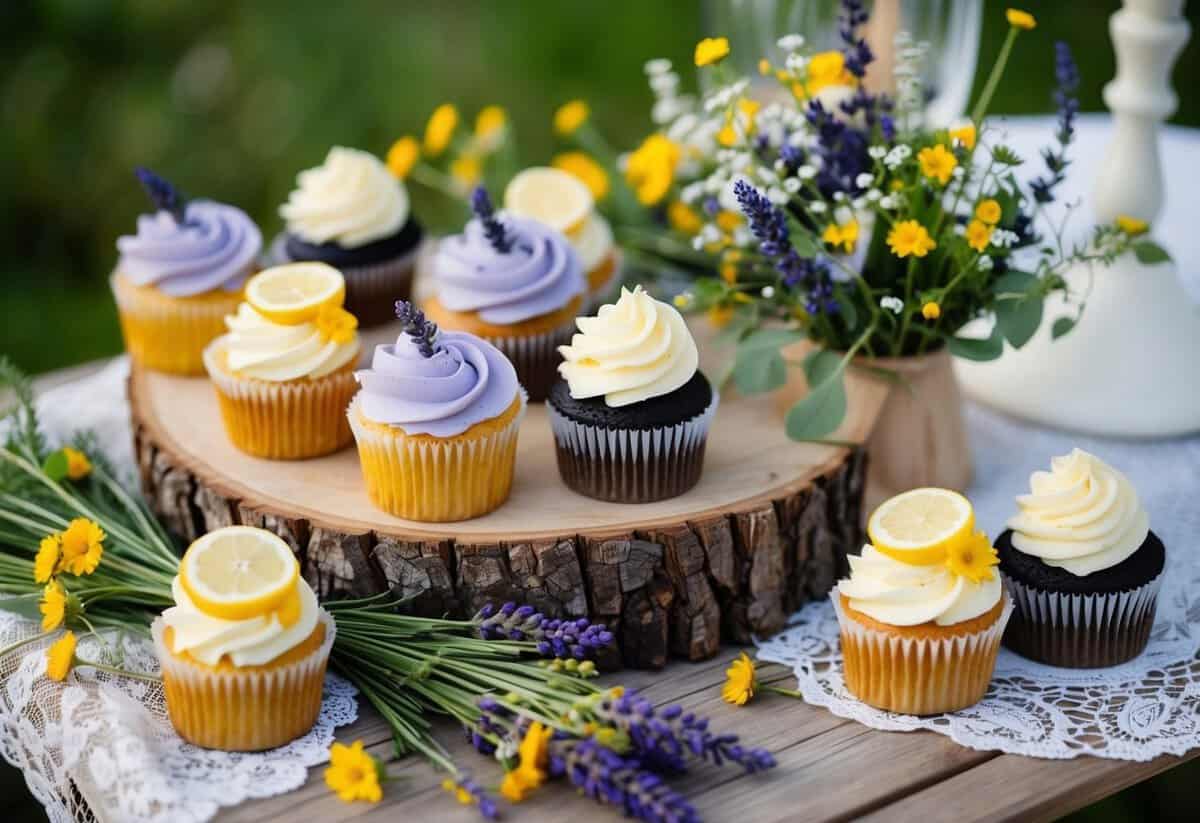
179,275
284,373
436,423
244,649
353,214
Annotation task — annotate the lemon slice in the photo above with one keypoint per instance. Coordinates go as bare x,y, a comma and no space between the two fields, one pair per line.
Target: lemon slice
918,526
550,196
295,293
239,572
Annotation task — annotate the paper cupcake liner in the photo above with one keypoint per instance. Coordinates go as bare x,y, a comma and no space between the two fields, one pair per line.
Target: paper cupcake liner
292,420
169,334
371,291
918,675
243,710
1081,631
536,358
436,480
631,465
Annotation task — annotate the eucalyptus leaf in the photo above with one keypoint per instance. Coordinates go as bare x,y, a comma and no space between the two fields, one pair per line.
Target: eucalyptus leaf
1149,252
1018,320
56,465
1062,325
979,349
1015,282
823,409
758,367
744,317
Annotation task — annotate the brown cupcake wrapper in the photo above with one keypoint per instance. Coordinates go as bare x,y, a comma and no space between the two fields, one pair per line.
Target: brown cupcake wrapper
536,358
1081,631
631,465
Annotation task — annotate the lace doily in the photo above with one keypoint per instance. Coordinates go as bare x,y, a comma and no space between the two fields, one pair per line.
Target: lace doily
1137,711
99,747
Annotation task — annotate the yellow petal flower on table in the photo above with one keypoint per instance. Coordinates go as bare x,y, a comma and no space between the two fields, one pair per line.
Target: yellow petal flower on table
988,211
651,168
908,237
82,546
683,218
931,310
1132,225
440,129
937,163
489,127
53,606
973,558
402,156
46,562
964,134
711,50
739,681
353,773
467,170
335,324
78,465
584,168
569,117
979,234
1020,19
533,755
60,657
825,69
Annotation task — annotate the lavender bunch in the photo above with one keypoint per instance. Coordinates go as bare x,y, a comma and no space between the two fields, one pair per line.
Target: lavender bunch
424,332
493,229
621,781
1066,75
578,639
162,194
855,49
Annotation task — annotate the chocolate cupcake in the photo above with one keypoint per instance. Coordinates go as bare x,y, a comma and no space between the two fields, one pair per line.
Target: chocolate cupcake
351,213
1082,566
631,417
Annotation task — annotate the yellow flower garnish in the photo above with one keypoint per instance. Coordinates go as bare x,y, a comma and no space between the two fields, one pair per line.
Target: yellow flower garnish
683,218
764,67
467,169
53,606
353,773
973,558
828,68
740,682
402,156
711,50
489,124
720,316
931,311
46,562
1020,19
1132,226
78,465
81,546
440,129
569,117
937,163
335,324
964,134
530,773
651,168
844,235
988,211
583,167
979,234
60,657
910,237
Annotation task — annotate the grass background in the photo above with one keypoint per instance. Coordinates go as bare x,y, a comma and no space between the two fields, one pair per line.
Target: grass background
230,100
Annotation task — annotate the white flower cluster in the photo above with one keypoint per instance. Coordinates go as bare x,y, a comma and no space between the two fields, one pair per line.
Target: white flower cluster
669,104
1004,239
910,91
893,304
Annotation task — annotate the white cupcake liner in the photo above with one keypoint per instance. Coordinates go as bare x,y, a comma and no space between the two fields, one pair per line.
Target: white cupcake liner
631,465
1081,631
536,357
247,709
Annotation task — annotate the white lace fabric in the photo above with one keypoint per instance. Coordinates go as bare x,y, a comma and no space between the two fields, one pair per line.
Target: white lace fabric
99,747
1139,710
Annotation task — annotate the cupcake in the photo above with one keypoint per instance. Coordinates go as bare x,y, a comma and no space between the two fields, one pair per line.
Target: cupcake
436,423
631,416
516,283
179,275
244,649
1082,565
921,620
284,373
561,201
351,213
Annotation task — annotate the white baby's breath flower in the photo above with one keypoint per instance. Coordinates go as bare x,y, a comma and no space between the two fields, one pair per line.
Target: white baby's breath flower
665,84
1004,238
796,63
710,233
659,65
666,109
806,172
780,166
768,292
796,139
818,207
791,185
777,196
790,42
985,263
893,304
903,151
715,182
889,202
859,203
816,161
691,192
506,749
742,161
877,152
766,175
864,180
839,197
960,229
742,237
683,127
843,215
958,172
873,195
698,243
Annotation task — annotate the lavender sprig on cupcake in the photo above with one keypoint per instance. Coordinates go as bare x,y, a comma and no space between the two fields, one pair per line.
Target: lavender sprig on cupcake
493,229
422,330
162,194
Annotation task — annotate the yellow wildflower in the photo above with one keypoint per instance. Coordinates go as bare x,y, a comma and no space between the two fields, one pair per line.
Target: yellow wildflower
979,234
739,681
828,68
46,562
748,109
616,692
467,169
582,166
764,67
973,558
937,163
530,773
727,136
683,218
720,316
964,134
440,129
729,266
988,211
682,301
60,657
909,237
460,793
711,50
931,310
81,546
844,235
1020,19
1132,225
489,127
53,606
353,773
402,156
335,324
727,221
569,117
651,168
78,465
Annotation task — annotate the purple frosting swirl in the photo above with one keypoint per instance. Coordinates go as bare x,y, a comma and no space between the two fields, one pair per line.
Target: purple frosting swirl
214,248
467,381
540,274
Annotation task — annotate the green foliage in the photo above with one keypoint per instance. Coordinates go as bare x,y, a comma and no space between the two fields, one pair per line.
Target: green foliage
822,410
1005,156
980,349
1018,307
758,365
1062,325
1149,252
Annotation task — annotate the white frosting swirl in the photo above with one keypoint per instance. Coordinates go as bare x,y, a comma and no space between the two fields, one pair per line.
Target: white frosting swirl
593,241
632,350
257,347
902,594
251,642
1082,515
351,200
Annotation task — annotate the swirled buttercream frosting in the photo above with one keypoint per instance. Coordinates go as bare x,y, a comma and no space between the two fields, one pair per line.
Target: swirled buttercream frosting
260,348
903,594
214,248
539,273
1082,515
351,200
632,350
463,381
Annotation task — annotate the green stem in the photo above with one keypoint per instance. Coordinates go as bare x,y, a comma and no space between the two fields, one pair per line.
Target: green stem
989,89
14,646
149,678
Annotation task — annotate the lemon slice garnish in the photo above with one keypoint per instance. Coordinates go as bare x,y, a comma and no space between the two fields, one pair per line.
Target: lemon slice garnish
918,526
239,572
550,196
295,293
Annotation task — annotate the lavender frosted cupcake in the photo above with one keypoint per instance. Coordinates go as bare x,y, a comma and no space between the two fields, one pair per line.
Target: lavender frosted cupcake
179,275
353,214
516,283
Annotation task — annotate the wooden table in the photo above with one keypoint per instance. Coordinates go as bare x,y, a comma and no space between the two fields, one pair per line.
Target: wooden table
829,768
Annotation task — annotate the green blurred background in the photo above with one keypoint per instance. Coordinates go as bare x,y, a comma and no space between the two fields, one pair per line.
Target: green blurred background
231,99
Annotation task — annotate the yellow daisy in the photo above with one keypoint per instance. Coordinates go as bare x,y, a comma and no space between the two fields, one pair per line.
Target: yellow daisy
931,311
78,465
711,50
46,562
353,773
973,558
569,117
909,237
740,682
964,134
587,170
532,757
60,657
53,606
683,218
82,546
937,163
651,168
844,235
1132,225
440,129
489,127
402,156
825,69
1020,19
979,234
988,211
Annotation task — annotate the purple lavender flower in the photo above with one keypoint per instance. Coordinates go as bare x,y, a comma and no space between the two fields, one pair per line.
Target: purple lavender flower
621,781
493,229
557,638
416,326
1067,79
855,49
485,802
162,194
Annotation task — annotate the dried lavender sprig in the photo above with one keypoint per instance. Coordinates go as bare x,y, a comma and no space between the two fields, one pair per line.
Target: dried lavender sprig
1066,75
162,194
486,803
579,639
493,229
621,781
423,331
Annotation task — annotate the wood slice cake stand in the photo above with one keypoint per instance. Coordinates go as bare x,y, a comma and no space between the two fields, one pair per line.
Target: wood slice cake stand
766,529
